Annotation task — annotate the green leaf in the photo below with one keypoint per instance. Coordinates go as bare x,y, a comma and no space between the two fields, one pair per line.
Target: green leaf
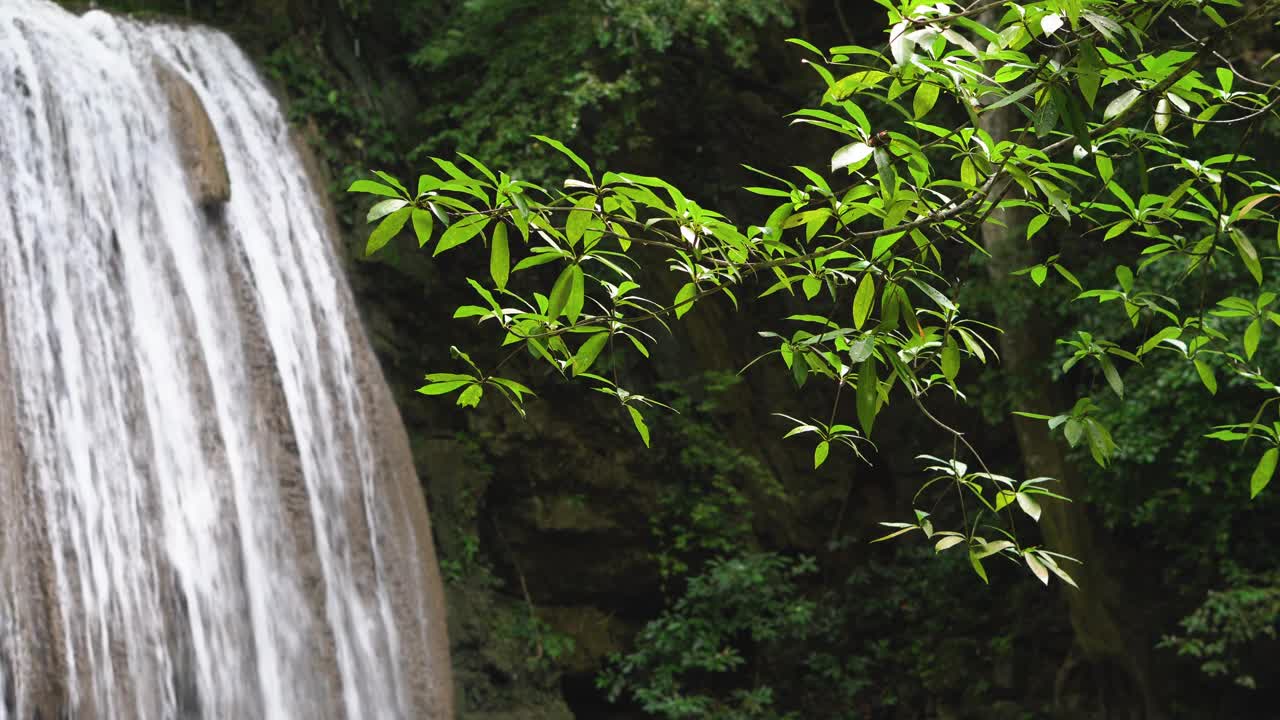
569,154
811,286
1113,376
1088,66
1014,96
884,170
589,351
1125,276
684,299
863,299
1066,275
1038,274
638,420
560,292
868,392
441,388
386,230
1036,223
1073,431
1105,167
1121,104
1225,78
460,232
581,216
423,225
385,208
1004,498
1248,255
950,359
1252,335
926,96
1206,376
393,182
373,188
1263,472
1073,115
471,396
499,257
577,293
820,454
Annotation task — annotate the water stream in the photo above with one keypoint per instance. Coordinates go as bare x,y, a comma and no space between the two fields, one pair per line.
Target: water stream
195,519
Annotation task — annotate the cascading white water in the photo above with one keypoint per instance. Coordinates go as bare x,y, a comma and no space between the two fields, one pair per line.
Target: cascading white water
199,524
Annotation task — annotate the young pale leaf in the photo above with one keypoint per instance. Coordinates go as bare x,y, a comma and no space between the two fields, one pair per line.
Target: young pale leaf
1037,568
949,541
863,299
1263,472
1121,104
386,230
977,566
820,454
1162,115
385,208
460,232
638,420
853,156
499,257
1051,23
1029,506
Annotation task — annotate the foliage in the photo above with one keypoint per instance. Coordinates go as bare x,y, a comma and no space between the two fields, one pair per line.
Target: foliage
704,510
586,69
1229,623
866,246
738,605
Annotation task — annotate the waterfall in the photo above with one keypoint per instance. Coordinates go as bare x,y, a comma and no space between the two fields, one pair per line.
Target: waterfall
207,503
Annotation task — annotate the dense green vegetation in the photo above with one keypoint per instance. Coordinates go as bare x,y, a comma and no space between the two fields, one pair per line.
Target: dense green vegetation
875,252
1067,171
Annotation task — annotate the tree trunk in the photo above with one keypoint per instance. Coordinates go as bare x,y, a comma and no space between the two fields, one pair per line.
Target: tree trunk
1115,662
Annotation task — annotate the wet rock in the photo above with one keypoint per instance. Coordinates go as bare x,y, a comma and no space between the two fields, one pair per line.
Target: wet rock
197,139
